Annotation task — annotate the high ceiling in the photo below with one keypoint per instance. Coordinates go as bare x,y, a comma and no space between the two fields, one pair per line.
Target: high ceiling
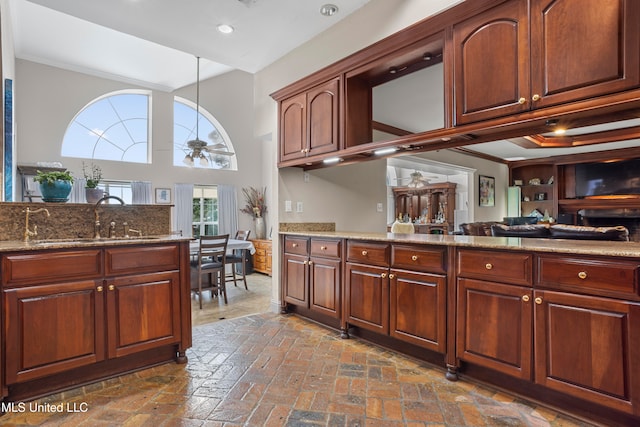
154,42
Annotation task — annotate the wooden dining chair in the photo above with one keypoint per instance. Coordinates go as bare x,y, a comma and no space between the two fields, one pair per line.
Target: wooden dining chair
212,259
239,256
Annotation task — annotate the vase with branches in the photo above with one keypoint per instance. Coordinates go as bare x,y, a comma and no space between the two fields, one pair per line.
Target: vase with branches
255,205
92,175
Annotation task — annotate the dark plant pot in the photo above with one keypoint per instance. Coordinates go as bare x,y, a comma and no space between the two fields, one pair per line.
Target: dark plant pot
58,191
94,194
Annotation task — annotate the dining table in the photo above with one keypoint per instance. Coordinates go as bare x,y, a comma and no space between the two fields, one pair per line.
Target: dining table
232,244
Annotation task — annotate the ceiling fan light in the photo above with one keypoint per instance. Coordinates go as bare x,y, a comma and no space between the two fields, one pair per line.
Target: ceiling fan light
188,160
204,162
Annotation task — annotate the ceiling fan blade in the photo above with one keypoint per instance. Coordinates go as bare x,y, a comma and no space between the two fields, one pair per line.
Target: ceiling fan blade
221,152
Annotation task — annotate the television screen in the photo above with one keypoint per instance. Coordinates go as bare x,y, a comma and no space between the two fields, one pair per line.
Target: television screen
608,179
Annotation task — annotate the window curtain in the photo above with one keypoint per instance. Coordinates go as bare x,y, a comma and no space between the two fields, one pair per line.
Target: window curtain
227,210
141,193
78,195
183,209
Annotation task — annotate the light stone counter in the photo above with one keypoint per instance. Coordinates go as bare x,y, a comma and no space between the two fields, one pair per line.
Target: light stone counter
565,246
17,245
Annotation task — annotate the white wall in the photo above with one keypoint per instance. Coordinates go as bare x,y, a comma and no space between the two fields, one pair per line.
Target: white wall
48,98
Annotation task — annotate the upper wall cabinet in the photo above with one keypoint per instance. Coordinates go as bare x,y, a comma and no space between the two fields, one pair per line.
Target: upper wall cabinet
309,122
517,57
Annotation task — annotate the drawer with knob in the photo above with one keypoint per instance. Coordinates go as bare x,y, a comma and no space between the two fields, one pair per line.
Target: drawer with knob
368,253
506,267
296,245
419,258
617,278
326,248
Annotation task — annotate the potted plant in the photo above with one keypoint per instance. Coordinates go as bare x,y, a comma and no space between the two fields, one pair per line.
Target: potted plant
92,175
55,186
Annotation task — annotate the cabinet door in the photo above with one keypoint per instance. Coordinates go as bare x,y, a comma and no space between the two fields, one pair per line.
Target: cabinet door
495,326
52,329
324,286
293,127
583,48
323,118
588,347
295,275
418,309
491,63
367,297
143,312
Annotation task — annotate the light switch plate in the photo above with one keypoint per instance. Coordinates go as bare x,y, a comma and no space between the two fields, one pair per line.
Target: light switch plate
299,207
287,206
379,207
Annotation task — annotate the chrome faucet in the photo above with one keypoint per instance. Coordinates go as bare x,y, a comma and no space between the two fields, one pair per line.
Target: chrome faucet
128,230
96,227
28,233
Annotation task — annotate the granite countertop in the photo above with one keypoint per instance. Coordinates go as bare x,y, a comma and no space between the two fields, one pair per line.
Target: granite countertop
34,245
566,246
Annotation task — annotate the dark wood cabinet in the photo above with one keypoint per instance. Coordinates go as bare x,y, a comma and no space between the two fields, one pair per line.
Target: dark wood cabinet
494,310
418,309
515,58
538,188
434,203
117,303
312,274
53,328
367,297
494,326
294,274
309,122
143,312
588,347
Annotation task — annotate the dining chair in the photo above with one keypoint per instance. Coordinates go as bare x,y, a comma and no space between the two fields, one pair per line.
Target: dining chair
212,259
239,256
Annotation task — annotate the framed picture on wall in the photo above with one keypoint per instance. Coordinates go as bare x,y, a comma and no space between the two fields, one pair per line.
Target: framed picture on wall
487,190
163,196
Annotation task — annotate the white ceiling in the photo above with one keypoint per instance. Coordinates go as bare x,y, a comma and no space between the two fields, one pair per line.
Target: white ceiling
154,42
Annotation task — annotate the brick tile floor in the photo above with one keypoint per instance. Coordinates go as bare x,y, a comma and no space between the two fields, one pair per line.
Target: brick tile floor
274,370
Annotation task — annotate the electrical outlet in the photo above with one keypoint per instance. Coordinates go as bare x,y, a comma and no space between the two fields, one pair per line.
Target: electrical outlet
287,206
299,207
305,176
379,207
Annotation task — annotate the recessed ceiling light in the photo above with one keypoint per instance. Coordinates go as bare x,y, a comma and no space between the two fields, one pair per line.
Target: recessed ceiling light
225,28
329,10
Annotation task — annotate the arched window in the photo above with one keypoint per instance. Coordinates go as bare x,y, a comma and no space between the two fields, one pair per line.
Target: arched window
218,154
112,127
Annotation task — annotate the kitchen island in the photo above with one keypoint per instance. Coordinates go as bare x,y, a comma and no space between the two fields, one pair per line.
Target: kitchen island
556,320
77,311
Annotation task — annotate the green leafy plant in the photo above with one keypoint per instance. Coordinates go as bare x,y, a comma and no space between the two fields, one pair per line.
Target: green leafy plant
52,176
255,202
92,174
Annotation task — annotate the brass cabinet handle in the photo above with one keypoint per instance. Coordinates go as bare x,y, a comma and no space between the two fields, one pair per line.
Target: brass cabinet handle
111,287
323,248
383,275
305,262
391,276
522,100
295,245
364,253
538,300
582,275
310,262
525,298
535,97
488,266
99,288
414,258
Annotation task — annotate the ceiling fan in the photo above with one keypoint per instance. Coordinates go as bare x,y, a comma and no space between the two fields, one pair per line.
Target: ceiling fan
417,180
201,150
